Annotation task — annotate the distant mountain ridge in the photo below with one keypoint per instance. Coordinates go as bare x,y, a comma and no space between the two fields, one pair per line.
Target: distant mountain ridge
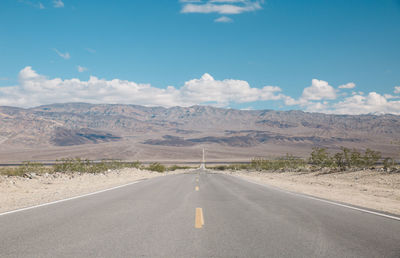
184,129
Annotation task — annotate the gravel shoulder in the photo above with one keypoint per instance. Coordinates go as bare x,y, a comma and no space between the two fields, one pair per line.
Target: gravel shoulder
20,192
366,188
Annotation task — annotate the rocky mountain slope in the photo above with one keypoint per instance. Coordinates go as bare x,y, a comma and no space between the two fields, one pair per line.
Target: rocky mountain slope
179,133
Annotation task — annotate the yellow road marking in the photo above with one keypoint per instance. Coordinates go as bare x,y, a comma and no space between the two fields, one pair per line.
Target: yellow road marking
197,188
197,180
199,221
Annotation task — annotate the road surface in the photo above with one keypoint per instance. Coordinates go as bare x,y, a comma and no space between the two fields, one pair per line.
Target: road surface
197,214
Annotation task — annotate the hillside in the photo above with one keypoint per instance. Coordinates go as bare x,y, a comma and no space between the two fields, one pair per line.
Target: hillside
154,133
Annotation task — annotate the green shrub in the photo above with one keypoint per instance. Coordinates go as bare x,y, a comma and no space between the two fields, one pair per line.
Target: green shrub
69,165
340,160
345,159
371,157
220,167
388,163
87,166
10,171
320,157
25,168
156,167
32,167
356,159
288,162
176,167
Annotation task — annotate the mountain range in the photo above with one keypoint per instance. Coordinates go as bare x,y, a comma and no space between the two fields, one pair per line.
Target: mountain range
133,132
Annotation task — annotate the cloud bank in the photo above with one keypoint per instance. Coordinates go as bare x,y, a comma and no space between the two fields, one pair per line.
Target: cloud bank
35,89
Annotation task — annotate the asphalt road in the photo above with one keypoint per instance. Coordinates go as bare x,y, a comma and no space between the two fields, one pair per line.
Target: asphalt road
198,214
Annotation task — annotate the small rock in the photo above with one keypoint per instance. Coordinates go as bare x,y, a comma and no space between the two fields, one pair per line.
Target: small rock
27,176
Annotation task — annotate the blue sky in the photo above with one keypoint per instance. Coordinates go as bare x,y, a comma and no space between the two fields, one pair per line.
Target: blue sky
272,54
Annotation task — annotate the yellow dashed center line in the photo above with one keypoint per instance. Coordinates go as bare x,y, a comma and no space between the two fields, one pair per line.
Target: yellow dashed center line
197,188
199,220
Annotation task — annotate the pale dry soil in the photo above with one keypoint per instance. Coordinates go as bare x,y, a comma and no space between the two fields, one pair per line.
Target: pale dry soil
20,192
370,189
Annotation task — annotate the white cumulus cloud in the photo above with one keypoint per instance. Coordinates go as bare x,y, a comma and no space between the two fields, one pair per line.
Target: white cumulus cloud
208,90
35,89
396,89
318,90
349,85
371,103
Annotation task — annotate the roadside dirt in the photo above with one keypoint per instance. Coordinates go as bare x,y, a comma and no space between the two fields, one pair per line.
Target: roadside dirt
19,192
370,189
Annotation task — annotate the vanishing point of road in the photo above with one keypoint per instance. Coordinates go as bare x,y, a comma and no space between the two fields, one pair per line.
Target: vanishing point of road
197,214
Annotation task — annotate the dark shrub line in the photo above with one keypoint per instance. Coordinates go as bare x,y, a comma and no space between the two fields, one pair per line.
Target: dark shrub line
319,158
82,166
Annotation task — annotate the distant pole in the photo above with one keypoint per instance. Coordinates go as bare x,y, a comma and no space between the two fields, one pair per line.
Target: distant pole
203,162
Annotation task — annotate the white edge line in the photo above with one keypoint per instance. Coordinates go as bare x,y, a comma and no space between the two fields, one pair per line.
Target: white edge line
67,199
318,199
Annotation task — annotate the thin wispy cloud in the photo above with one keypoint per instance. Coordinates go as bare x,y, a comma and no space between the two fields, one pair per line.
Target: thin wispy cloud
222,7
65,55
223,19
58,4
230,8
81,69
34,4
35,89
90,50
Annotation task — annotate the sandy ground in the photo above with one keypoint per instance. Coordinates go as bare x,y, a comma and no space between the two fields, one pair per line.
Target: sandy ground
19,192
370,189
